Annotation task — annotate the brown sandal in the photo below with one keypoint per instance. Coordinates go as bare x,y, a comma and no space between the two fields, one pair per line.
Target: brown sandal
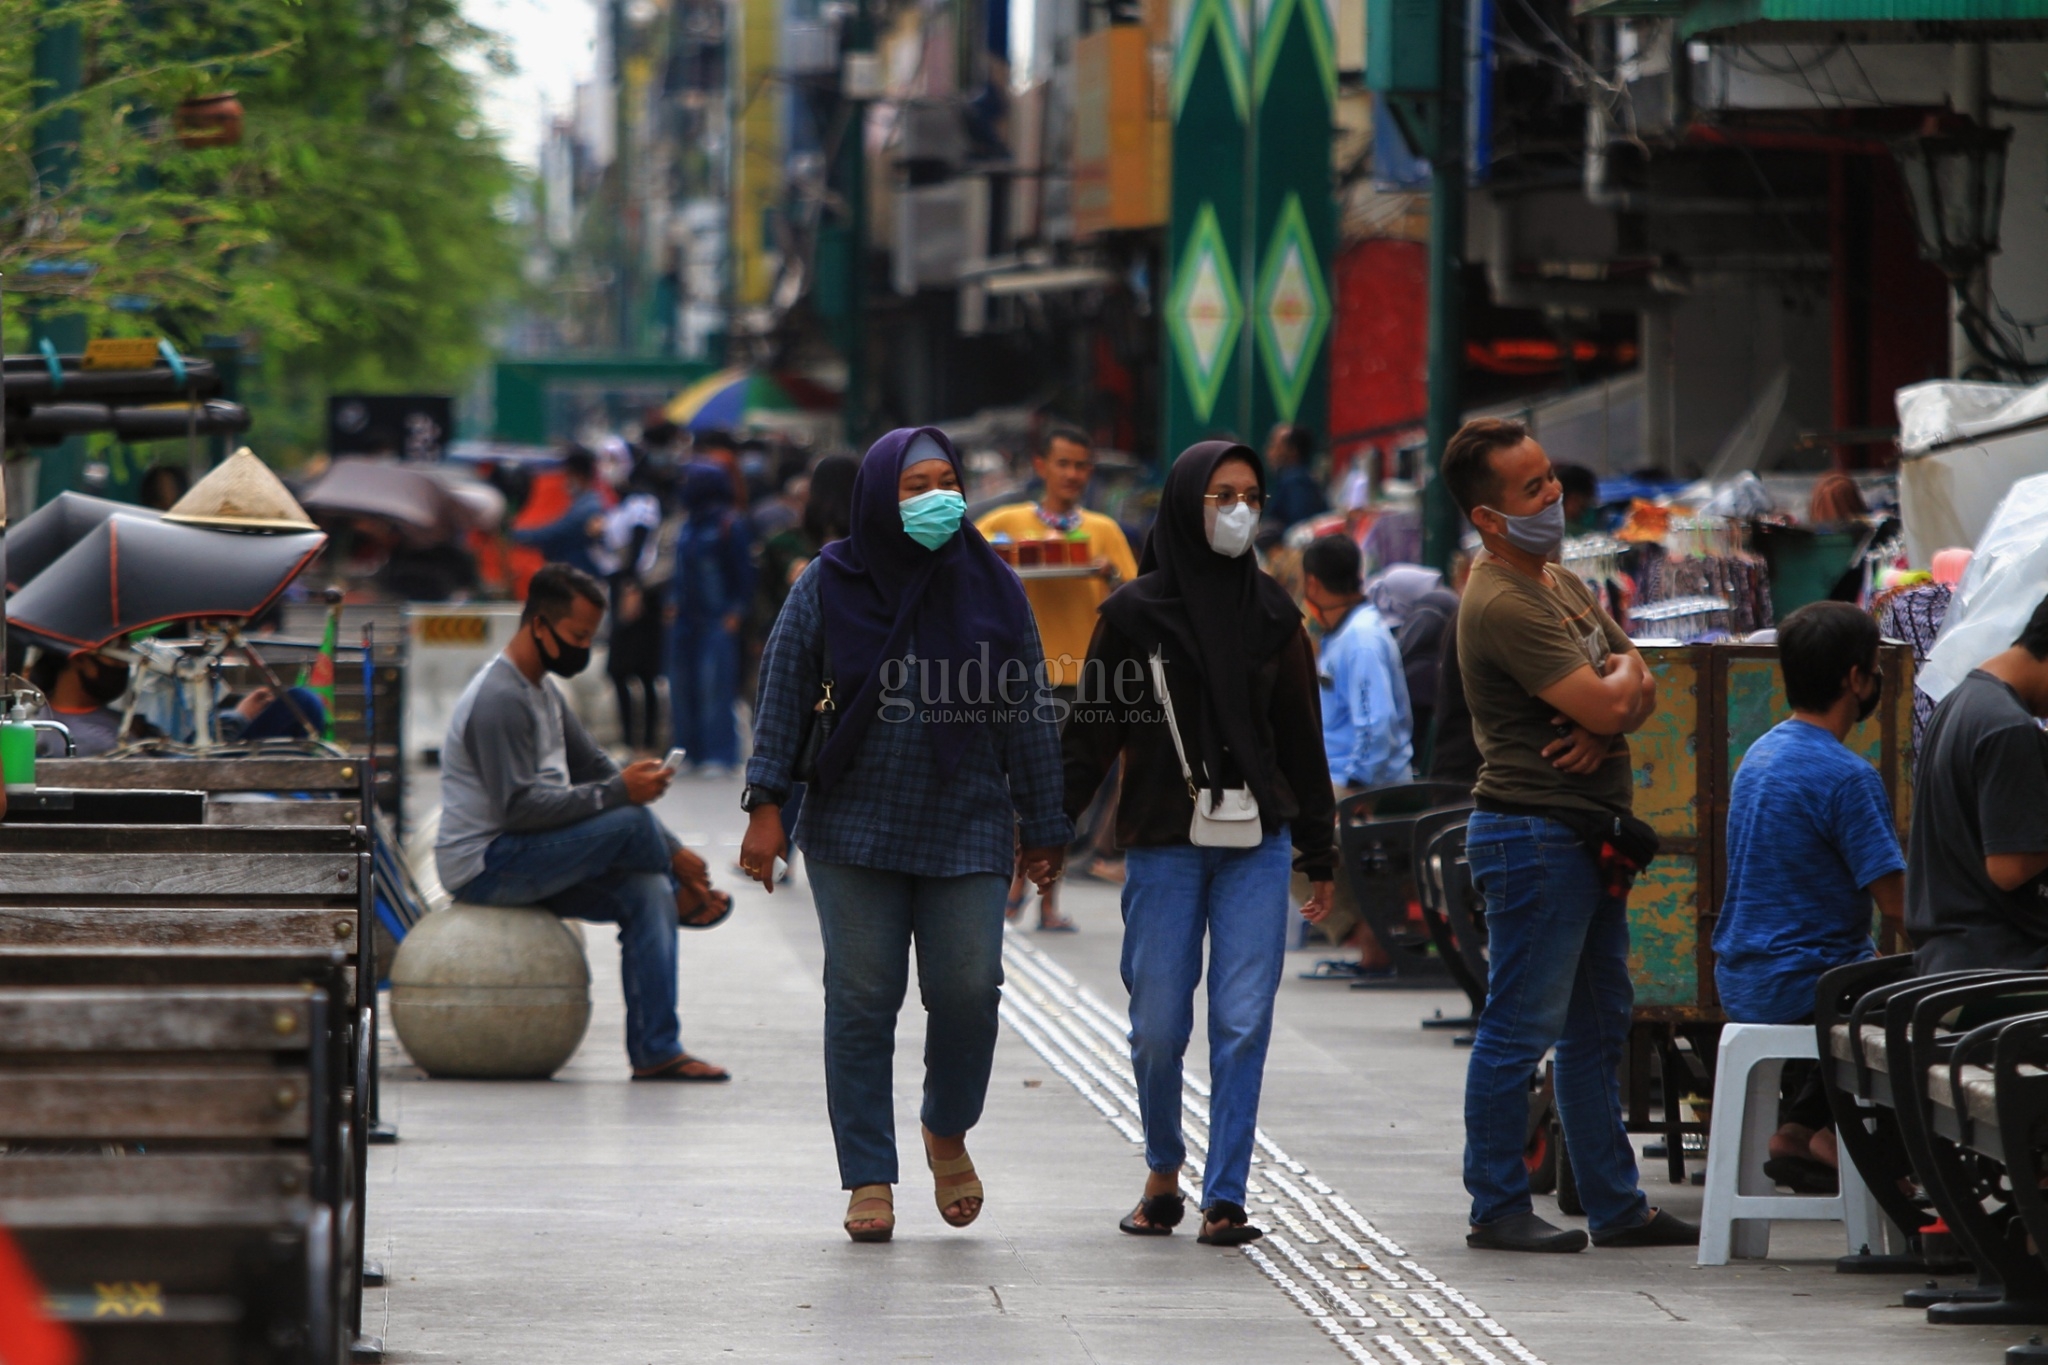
882,1226
950,1192
677,1068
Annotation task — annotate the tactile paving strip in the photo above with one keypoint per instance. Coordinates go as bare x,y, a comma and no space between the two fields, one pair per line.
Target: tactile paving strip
1375,1302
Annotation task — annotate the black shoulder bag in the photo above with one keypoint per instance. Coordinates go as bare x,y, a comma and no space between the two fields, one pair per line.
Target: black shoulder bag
824,715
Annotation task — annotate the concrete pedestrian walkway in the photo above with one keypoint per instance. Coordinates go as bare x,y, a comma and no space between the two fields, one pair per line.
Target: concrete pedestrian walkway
592,1220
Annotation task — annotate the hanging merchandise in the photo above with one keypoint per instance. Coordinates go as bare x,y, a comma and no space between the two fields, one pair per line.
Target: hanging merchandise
1684,619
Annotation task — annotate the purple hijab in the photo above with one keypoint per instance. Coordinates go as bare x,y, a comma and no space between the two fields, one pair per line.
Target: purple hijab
882,593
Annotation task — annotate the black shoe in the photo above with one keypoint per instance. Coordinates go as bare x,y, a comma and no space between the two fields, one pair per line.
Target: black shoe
1660,1229
1525,1232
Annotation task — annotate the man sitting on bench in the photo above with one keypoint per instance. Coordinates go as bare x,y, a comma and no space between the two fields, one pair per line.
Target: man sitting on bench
534,813
1975,891
1810,845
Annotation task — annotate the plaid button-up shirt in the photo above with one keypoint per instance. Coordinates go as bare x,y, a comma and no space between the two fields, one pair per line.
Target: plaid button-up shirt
892,810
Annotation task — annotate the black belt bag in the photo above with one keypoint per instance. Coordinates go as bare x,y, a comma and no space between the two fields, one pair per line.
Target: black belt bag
1623,845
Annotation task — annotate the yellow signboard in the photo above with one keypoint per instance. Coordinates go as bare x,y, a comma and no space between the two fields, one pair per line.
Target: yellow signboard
465,631
121,353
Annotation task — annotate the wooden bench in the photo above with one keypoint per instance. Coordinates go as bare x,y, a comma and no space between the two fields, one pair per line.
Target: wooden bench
1954,1152
140,904
337,787
172,1171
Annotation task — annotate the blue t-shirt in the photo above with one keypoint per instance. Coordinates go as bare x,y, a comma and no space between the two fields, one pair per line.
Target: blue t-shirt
1809,827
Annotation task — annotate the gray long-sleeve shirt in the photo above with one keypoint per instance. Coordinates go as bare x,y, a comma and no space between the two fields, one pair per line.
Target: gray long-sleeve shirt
515,759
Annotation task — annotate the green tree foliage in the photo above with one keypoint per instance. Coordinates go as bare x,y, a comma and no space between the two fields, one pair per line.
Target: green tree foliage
355,235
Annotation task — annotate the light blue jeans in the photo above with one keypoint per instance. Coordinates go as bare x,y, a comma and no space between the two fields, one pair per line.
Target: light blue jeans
870,920
1173,896
1557,975
611,869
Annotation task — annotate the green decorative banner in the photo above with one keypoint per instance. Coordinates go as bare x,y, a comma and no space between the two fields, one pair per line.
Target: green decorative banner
1204,313
1293,218
1293,310
1208,247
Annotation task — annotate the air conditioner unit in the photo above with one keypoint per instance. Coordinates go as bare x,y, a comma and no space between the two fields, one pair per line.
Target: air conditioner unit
940,230
808,49
932,132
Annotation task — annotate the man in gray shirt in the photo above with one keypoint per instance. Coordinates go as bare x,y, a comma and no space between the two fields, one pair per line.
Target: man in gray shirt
534,813
1977,855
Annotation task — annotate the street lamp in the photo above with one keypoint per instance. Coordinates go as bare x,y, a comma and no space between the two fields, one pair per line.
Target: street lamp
1955,176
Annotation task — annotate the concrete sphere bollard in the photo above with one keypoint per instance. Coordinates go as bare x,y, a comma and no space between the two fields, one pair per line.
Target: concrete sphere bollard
489,992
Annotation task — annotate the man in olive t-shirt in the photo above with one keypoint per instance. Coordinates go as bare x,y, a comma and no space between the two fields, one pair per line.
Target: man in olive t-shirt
1553,684
1977,855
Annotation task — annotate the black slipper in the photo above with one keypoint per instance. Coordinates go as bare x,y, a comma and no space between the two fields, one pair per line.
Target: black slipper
1660,1229
672,1070
1162,1214
1803,1175
710,898
1236,1230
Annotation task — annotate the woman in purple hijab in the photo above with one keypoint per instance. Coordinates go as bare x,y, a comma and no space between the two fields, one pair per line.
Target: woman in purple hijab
942,763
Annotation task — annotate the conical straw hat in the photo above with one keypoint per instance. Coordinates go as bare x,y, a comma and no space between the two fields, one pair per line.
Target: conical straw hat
241,495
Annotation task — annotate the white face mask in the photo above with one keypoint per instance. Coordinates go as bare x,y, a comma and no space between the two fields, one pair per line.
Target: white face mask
1230,533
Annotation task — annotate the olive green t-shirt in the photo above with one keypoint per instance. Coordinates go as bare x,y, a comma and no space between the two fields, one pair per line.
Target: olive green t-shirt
1517,637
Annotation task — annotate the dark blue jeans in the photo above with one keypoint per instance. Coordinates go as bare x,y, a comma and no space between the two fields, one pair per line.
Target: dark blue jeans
1174,897
870,920
703,682
1558,975
612,869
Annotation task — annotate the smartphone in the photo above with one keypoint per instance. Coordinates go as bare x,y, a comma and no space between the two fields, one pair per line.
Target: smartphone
673,764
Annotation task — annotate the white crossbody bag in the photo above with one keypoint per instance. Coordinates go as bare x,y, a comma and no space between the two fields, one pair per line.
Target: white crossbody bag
1223,819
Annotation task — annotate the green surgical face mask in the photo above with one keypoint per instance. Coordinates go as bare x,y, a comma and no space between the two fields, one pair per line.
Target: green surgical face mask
931,519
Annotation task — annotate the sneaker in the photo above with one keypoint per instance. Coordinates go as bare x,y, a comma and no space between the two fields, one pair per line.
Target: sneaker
1660,1229
1525,1232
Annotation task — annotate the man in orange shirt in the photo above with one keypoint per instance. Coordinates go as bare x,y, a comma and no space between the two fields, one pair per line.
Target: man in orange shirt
1064,606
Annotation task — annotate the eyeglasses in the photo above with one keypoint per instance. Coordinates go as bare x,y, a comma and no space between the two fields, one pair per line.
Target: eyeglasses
1226,500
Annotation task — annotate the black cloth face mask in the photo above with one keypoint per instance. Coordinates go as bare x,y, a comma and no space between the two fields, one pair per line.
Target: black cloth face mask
568,660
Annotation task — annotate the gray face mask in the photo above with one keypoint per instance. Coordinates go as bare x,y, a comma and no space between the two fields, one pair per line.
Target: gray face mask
1539,533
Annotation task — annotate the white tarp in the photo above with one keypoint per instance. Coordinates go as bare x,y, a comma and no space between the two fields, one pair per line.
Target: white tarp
2004,583
1964,445
1946,410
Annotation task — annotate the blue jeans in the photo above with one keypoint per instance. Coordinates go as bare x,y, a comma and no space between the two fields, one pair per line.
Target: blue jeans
1558,975
1172,895
870,919
612,869
703,681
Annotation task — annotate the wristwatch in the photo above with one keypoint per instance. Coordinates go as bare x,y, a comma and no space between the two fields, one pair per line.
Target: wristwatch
752,798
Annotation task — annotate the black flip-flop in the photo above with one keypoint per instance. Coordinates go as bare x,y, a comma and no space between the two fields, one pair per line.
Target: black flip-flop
1803,1175
672,1070
1161,1212
1237,1228
721,917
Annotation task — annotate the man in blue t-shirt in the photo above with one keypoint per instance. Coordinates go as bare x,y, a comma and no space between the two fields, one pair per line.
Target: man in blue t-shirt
1810,844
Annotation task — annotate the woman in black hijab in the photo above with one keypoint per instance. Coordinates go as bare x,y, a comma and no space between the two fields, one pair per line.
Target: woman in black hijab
1241,680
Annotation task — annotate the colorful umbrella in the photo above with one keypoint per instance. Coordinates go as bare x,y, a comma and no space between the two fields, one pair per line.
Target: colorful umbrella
722,401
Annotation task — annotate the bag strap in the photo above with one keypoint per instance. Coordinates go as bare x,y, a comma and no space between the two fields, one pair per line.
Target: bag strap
825,678
1172,724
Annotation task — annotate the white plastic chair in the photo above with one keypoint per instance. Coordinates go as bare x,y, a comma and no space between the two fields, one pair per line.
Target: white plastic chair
1741,1202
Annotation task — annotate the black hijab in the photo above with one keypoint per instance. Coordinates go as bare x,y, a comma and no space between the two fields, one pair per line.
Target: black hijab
881,592
1216,617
